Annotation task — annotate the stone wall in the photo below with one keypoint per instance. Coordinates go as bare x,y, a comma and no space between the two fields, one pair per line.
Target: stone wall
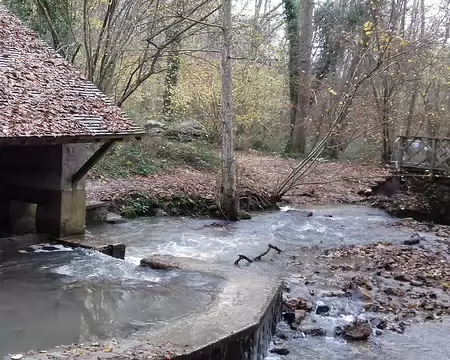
423,198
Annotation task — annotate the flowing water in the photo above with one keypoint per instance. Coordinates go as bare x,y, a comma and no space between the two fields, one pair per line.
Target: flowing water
65,297
78,296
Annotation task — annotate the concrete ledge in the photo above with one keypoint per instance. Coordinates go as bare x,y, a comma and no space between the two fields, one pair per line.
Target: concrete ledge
10,245
237,325
115,250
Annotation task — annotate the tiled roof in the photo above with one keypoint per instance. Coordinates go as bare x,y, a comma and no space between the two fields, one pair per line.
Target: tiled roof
44,96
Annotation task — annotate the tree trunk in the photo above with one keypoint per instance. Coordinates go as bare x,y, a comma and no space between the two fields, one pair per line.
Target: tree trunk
385,125
304,96
412,107
228,202
291,15
172,74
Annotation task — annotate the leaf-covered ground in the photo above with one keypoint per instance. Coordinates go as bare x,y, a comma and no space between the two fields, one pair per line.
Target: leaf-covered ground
328,182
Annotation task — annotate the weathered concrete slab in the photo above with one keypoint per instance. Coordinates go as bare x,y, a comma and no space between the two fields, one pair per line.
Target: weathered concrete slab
10,245
236,326
115,250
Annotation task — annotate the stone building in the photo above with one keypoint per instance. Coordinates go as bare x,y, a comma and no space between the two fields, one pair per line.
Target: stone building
48,113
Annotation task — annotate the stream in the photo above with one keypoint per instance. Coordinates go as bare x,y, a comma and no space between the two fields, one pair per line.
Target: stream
61,297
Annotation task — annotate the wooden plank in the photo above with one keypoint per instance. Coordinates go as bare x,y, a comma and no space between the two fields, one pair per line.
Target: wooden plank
72,139
82,171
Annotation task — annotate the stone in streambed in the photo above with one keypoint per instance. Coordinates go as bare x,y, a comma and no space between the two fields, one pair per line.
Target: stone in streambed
114,219
416,283
49,248
281,335
300,304
300,315
378,323
414,240
322,309
357,331
302,213
280,351
360,293
158,264
312,330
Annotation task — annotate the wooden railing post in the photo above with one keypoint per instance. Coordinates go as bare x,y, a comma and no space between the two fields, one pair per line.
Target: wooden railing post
433,155
401,151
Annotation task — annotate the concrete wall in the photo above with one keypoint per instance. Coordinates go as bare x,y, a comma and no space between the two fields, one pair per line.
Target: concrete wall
41,175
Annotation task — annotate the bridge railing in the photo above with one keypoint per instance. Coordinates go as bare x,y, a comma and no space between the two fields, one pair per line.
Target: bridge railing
423,153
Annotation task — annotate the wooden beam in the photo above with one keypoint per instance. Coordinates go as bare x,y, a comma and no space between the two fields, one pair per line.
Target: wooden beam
48,140
82,171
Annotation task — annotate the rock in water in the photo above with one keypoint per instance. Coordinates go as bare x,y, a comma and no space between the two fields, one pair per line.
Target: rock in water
378,323
300,304
159,264
322,309
279,351
414,240
281,335
357,331
289,317
360,293
411,242
300,315
312,331
300,212
49,248
416,283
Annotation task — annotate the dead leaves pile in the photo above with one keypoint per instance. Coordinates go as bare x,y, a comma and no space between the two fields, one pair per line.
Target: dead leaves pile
258,174
40,91
403,263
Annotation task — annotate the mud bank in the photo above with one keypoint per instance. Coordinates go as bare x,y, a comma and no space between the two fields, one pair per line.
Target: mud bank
423,198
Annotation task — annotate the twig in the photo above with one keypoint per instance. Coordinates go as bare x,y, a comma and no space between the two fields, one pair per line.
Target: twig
242,257
259,257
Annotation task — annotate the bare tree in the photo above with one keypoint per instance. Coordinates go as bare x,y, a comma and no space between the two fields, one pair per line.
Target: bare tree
228,201
304,79
291,13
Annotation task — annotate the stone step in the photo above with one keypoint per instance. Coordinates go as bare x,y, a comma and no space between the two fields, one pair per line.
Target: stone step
96,212
113,218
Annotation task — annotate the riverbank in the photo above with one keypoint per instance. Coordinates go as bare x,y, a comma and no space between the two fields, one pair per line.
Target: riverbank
365,291
186,190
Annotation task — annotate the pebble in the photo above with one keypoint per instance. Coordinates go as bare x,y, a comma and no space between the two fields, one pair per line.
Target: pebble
415,283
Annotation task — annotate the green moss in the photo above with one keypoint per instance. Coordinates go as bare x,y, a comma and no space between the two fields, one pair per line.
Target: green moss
153,155
128,212
244,215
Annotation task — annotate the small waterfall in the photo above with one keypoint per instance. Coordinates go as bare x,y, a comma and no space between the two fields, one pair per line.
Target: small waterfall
251,343
266,329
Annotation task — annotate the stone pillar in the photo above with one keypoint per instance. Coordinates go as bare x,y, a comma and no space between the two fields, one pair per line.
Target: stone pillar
64,214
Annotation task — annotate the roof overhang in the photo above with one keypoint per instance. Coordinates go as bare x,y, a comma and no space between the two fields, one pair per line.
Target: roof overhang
57,140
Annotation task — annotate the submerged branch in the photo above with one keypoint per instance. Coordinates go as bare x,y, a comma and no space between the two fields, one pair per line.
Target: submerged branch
259,257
